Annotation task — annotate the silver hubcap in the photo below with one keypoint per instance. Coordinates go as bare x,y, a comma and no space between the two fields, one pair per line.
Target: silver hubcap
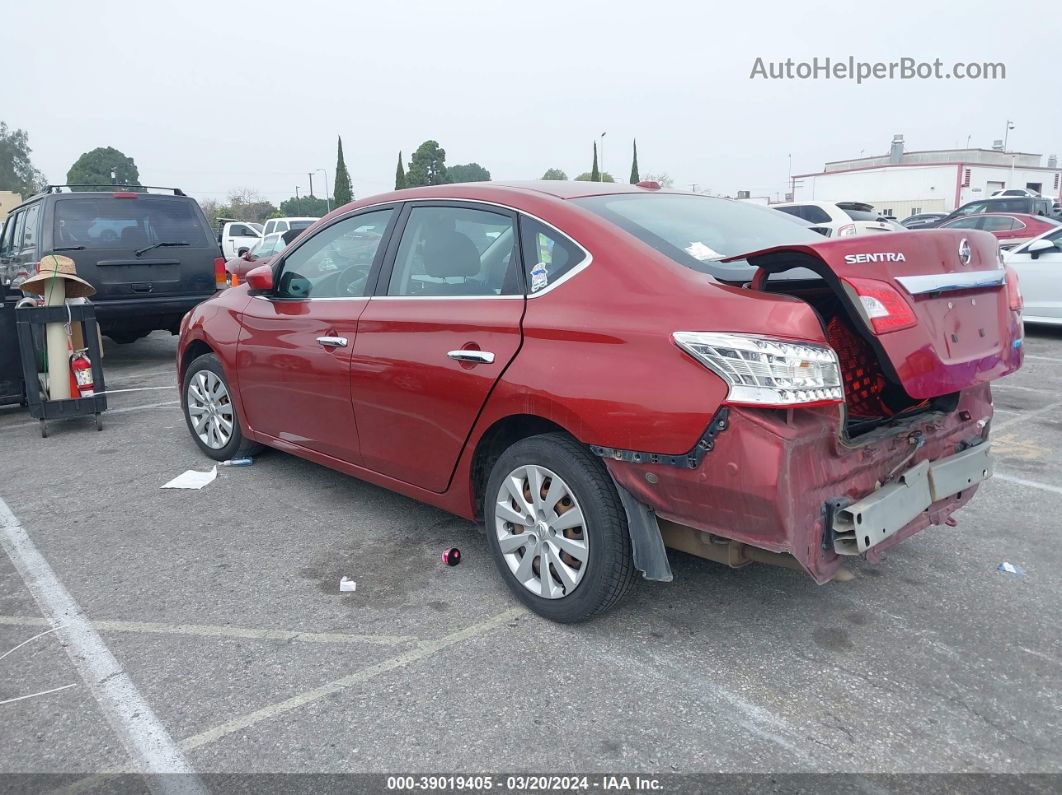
210,409
541,532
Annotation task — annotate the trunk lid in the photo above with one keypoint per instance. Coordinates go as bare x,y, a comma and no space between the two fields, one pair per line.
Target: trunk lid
953,326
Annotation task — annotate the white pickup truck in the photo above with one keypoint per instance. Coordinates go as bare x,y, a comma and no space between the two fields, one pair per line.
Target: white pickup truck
236,237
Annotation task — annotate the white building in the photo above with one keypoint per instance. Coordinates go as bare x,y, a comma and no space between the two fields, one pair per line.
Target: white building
906,183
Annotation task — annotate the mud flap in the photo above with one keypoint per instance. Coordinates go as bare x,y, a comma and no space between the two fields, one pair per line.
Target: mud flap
650,556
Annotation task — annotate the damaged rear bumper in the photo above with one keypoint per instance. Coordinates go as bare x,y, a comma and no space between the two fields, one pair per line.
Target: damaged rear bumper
785,480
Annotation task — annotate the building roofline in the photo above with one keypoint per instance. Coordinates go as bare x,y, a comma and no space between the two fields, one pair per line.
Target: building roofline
928,165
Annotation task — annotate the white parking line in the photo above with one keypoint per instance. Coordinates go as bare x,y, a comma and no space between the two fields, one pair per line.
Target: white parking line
1026,415
996,386
145,739
1030,483
211,631
1043,358
422,650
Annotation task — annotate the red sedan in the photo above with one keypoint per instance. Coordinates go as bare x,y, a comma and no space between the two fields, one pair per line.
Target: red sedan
598,372
1010,229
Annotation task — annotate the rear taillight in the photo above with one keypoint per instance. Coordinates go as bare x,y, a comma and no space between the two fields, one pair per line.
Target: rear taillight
124,195
234,280
765,371
885,307
221,278
1017,302
847,230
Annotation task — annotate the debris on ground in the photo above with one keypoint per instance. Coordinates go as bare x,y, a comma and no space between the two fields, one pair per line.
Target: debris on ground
452,556
346,585
1010,568
247,461
192,479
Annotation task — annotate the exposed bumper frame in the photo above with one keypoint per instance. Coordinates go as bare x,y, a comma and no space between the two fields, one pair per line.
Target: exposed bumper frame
878,516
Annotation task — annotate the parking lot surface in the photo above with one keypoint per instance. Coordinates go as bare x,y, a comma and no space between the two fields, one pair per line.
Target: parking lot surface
221,610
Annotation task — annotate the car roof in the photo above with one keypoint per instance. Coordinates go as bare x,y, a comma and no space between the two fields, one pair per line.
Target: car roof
296,218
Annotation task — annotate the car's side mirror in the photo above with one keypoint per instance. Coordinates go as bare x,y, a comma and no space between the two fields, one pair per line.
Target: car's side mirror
260,280
1038,247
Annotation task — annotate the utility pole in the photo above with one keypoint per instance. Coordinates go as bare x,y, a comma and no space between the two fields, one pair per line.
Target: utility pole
602,157
298,201
693,187
1006,133
310,175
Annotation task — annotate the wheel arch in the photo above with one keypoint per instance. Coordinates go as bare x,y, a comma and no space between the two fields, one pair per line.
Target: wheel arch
502,434
191,352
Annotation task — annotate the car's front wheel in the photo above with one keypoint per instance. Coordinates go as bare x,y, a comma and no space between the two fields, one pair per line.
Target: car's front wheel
557,528
211,413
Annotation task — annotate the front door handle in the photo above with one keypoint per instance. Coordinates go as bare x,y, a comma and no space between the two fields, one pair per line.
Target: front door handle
332,342
480,357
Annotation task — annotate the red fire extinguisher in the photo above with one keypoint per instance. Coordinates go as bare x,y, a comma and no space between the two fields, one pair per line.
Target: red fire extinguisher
81,371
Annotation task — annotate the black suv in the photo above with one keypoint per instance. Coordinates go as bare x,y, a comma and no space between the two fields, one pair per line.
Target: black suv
1030,205
149,252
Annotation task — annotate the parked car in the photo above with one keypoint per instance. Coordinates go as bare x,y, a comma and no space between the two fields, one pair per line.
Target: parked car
922,220
262,253
151,256
1010,229
286,224
237,237
1016,192
1038,264
840,218
578,366
1025,205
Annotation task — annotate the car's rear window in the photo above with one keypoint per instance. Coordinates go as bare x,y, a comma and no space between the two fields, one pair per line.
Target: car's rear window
105,222
859,215
301,224
698,231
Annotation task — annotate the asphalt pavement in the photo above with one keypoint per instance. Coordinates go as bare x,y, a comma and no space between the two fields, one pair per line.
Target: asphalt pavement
208,626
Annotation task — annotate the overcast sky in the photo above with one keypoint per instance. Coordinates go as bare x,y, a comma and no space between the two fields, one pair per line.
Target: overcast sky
222,95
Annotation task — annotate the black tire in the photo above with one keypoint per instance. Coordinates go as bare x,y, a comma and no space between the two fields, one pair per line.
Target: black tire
238,445
610,569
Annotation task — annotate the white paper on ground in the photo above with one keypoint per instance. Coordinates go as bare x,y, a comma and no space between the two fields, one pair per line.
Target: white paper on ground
192,479
347,585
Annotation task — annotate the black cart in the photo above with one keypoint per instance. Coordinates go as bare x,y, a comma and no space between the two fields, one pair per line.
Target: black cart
31,322
12,387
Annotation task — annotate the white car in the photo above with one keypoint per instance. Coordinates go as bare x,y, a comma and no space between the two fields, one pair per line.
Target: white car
285,224
237,236
1016,192
1038,264
840,219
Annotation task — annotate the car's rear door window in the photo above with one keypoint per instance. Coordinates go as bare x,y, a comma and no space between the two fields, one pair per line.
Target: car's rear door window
997,224
337,260
456,251
114,223
29,234
548,255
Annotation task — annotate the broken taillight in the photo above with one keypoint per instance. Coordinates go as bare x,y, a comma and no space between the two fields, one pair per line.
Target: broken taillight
884,306
765,371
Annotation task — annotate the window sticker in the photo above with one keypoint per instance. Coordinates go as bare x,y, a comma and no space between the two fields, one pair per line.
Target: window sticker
539,277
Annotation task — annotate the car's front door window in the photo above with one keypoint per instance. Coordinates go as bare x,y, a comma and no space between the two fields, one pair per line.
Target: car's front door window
335,262
456,251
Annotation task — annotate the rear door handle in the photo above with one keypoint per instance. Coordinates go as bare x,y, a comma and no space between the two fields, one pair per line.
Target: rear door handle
332,342
483,357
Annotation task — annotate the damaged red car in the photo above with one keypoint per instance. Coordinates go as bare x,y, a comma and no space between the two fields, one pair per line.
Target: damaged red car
599,372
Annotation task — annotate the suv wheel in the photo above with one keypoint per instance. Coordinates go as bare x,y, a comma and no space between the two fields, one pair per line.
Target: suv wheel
557,529
210,412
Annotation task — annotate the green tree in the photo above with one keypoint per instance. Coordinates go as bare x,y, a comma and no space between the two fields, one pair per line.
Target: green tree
400,174
469,172
342,193
427,166
554,173
95,167
303,205
595,173
16,171
634,166
588,176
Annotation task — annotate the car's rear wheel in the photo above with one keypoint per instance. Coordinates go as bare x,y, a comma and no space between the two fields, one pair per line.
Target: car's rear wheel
557,528
211,413
126,337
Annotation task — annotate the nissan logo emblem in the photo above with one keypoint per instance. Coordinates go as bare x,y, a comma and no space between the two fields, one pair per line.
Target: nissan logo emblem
965,254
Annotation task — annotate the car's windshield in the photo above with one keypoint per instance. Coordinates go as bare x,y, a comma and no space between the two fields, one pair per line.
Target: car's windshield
268,246
106,222
698,231
302,224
